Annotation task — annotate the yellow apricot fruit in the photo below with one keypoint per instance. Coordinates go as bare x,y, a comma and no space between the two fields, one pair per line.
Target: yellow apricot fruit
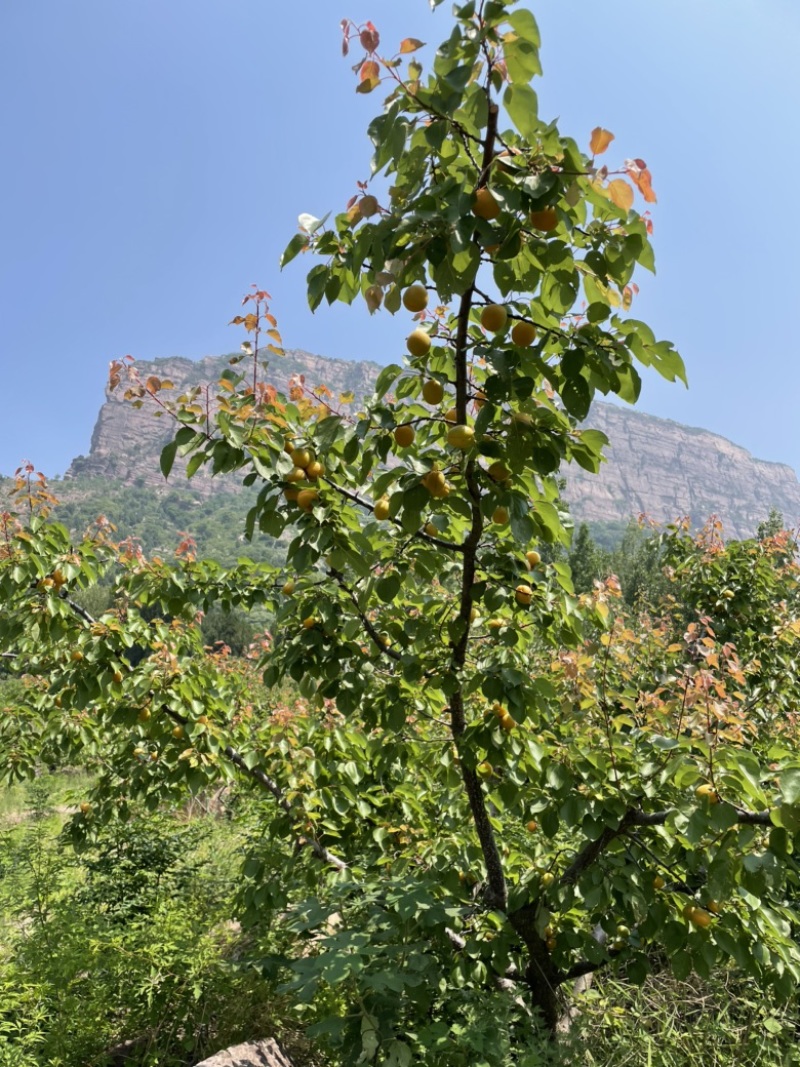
76,656
531,826
495,624
144,715
432,392
296,474
484,770
523,594
550,944
288,587
479,399
523,333
86,807
301,457
118,677
508,722
500,516
309,623
462,437
368,206
404,435
494,317
381,509
177,732
484,205
434,481
498,471
545,220
707,792
291,495
700,918
451,415
289,446
415,298
418,343
532,559
713,906
438,491
547,879
431,530
306,499
315,470
659,882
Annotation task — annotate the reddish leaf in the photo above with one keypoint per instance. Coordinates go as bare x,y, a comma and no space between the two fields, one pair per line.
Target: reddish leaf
410,44
642,178
600,141
621,194
345,24
369,71
369,37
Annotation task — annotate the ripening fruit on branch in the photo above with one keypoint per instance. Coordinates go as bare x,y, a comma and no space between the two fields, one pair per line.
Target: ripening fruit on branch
523,333
531,826
500,516
484,205
404,435
713,906
381,509
699,917
507,722
296,474
484,770
431,530
494,317
432,392
547,879
545,220
415,298
314,470
462,437
306,499
523,595
708,793
76,656
86,807
658,882
368,206
177,732
418,343
498,471
309,623
301,457
288,587
532,559
451,415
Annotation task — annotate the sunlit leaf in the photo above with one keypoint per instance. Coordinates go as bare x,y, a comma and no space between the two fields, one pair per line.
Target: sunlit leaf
600,140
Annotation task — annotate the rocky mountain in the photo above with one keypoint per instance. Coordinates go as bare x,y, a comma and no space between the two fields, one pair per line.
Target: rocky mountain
655,466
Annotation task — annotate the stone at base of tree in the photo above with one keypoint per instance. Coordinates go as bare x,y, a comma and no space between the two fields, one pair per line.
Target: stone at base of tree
256,1054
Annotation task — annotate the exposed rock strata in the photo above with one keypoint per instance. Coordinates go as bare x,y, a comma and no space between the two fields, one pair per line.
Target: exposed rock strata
655,466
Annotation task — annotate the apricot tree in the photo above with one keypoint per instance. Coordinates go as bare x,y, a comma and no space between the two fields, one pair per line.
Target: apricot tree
481,800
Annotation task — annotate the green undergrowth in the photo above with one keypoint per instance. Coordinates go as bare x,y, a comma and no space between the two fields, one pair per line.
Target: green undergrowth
132,948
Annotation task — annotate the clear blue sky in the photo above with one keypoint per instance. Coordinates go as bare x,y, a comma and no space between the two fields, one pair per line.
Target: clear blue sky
157,154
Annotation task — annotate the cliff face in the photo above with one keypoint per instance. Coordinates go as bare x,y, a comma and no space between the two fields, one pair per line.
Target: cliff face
654,466
668,471
127,441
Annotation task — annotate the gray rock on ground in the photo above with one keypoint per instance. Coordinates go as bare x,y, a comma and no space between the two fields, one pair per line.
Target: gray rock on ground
258,1054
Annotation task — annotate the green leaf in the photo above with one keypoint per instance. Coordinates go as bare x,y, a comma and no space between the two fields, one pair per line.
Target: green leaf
789,785
522,106
168,454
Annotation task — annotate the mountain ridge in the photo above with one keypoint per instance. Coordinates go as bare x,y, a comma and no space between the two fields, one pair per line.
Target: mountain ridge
655,466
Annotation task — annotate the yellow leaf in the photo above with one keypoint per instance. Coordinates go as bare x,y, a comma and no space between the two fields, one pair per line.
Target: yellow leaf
250,322
600,141
621,193
410,44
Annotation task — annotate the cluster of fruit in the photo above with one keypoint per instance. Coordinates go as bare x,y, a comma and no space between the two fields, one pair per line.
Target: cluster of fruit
307,468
